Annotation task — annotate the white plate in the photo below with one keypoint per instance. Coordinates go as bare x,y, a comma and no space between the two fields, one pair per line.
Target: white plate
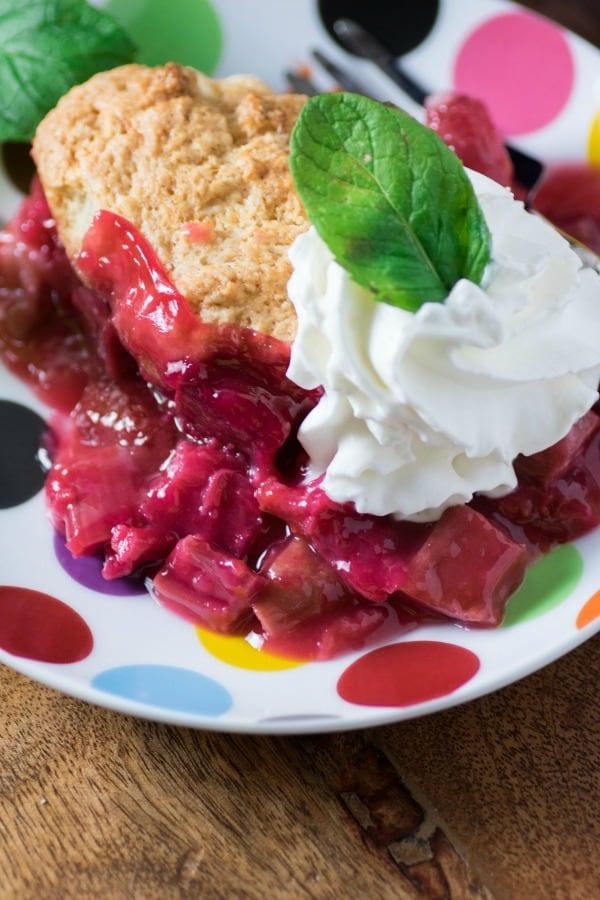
144,661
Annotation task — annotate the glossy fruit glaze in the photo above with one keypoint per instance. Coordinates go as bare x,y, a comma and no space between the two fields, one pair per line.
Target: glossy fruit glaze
174,457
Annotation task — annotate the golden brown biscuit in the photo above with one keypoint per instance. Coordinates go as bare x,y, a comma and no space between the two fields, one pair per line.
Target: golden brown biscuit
199,166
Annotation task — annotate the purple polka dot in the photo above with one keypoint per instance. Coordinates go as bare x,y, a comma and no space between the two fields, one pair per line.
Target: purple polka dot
87,571
302,717
21,473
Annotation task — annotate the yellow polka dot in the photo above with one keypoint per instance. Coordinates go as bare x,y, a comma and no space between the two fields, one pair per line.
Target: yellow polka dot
594,141
237,651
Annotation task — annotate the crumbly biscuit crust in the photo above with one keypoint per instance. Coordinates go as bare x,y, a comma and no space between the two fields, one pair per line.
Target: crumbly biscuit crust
199,166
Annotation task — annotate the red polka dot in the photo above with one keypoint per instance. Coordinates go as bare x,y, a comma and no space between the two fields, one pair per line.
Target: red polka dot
37,626
521,66
407,673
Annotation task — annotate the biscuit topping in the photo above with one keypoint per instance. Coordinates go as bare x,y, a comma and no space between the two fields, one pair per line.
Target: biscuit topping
165,147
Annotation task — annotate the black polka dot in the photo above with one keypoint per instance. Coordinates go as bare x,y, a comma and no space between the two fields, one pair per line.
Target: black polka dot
21,473
399,26
18,164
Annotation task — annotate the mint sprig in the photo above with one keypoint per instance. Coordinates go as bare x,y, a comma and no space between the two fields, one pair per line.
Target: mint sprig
389,198
46,47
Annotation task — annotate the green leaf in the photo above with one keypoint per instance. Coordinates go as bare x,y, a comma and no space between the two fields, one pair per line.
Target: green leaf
389,198
46,47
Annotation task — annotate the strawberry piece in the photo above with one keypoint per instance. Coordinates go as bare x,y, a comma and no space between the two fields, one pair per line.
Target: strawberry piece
464,124
569,196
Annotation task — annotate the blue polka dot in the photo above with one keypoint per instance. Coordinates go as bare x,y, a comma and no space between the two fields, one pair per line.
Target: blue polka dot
167,687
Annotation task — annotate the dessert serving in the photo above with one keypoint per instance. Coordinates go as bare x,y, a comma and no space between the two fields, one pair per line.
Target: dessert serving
314,382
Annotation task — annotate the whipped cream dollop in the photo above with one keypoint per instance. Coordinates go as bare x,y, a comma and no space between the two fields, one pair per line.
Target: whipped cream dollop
422,410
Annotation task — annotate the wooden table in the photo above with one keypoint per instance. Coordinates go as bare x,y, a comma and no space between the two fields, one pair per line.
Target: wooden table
495,799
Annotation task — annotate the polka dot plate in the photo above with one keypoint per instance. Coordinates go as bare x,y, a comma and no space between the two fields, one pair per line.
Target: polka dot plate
109,643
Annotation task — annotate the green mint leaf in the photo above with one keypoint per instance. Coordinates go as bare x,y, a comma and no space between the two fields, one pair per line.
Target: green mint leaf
389,198
46,47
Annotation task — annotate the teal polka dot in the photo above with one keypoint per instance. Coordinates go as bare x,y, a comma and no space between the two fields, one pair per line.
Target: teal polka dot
548,582
167,687
187,32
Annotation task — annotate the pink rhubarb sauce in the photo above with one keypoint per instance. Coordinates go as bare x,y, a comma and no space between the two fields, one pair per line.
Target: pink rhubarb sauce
174,456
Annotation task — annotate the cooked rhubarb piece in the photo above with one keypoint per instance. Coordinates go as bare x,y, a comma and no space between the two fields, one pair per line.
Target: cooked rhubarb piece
547,465
307,611
370,553
202,490
242,405
122,413
207,586
109,450
90,493
466,569
560,510
41,339
341,630
300,586
132,547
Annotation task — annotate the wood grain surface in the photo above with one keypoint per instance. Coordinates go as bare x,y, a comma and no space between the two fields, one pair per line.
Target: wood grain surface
496,799
581,16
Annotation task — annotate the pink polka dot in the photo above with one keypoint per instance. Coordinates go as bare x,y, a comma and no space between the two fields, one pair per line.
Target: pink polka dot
521,66
37,626
408,673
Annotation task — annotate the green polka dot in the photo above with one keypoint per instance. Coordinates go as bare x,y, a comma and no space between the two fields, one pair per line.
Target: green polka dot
182,31
548,582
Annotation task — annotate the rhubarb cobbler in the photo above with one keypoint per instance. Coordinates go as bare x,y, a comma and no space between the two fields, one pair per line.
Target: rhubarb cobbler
275,444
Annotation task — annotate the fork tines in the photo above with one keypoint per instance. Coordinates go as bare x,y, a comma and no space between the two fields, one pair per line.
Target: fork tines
339,75
301,84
